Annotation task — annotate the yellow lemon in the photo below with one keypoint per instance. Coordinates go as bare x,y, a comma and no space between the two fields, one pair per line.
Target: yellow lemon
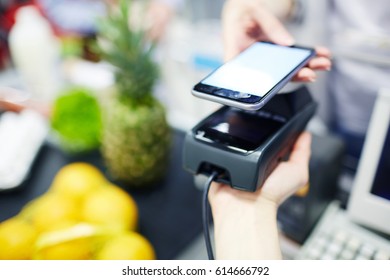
76,242
78,180
112,207
53,211
127,246
78,249
17,238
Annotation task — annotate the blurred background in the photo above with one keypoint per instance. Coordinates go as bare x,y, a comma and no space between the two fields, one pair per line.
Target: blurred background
56,88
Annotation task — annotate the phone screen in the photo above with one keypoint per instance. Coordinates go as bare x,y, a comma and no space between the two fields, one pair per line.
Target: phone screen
254,72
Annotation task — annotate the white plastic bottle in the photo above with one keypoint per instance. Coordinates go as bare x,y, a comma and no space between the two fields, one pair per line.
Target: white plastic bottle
35,53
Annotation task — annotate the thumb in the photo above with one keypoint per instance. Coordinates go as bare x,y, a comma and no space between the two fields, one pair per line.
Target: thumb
272,29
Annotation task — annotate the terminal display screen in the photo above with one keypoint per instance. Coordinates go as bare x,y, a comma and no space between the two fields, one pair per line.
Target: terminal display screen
248,130
239,129
381,186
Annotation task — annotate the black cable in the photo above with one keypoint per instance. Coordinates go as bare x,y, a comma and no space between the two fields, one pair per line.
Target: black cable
206,215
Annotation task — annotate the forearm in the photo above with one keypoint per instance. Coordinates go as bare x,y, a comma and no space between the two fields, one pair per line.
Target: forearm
247,232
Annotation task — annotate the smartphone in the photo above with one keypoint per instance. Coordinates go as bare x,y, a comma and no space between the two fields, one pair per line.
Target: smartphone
253,77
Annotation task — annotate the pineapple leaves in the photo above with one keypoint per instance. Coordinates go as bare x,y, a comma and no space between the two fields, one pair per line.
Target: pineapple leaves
125,45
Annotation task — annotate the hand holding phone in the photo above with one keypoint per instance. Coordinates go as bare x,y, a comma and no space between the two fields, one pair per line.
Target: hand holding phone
253,77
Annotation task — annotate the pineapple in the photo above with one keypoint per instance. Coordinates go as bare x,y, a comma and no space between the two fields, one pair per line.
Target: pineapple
136,137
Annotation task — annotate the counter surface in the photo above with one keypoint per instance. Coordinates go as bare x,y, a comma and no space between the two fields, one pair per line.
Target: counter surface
169,211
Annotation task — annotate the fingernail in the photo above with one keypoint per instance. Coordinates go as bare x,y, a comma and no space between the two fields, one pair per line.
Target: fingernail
290,41
284,39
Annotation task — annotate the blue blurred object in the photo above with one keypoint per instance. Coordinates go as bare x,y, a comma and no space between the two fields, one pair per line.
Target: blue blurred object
206,62
74,16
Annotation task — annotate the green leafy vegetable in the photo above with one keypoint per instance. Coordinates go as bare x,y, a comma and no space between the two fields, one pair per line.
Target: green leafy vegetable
76,119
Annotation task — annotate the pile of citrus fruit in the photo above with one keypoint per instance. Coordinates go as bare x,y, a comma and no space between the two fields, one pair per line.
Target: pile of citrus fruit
81,216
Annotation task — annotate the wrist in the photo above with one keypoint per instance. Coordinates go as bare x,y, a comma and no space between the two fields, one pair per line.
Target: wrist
257,209
247,231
